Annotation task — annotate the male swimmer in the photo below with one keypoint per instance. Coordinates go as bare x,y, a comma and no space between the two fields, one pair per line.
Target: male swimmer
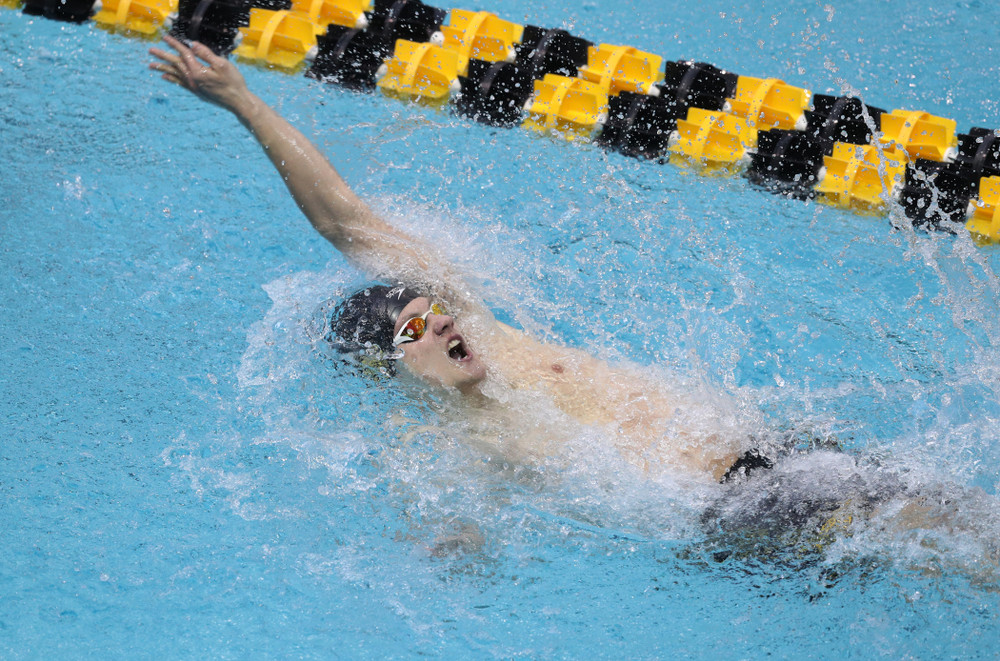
489,365
475,355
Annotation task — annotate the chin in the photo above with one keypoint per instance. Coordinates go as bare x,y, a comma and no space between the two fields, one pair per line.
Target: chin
472,375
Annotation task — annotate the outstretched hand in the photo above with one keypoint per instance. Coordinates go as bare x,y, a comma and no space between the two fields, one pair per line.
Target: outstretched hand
210,77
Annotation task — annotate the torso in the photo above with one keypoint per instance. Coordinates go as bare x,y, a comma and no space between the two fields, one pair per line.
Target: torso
650,425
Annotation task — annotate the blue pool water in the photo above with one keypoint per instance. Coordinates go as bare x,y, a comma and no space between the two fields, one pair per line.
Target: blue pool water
185,474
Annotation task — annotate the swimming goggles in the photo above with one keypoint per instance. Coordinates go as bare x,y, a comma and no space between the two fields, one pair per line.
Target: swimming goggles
415,327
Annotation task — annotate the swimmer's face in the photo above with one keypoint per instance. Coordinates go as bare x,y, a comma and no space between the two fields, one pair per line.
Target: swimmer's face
441,354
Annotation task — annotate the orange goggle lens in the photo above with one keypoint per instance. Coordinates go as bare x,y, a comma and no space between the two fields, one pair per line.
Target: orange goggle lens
415,327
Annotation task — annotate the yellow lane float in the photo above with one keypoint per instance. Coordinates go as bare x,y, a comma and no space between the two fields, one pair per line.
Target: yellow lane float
985,222
860,177
622,68
571,106
920,134
321,13
283,39
420,70
145,17
769,103
715,140
479,36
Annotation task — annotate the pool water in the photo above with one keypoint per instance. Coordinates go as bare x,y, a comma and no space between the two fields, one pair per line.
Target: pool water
185,473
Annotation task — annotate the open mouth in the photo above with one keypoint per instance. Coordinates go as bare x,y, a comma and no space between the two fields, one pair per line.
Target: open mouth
457,350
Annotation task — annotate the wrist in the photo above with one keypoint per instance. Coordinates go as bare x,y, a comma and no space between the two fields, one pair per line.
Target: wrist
247,107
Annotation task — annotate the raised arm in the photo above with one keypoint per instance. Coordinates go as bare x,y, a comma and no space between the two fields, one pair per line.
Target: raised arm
326,200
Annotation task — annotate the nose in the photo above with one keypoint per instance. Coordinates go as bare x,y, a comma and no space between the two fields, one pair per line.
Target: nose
440,323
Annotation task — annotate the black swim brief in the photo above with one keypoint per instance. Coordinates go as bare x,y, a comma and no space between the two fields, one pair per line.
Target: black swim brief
749,462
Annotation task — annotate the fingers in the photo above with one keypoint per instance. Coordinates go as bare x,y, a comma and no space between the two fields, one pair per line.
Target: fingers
175,43
185,61
169,58
164,69
196,68
169,65
189,61
167,74
206,54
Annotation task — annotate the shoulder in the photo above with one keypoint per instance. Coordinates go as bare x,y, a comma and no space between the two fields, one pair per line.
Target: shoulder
542,353
512,332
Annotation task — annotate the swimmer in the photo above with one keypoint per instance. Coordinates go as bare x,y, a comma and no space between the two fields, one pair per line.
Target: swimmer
470,353
490,366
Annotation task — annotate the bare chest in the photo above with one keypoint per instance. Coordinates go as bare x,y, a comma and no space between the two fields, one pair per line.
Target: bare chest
648,421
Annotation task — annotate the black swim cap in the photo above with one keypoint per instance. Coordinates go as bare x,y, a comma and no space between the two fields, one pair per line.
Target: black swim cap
366,320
